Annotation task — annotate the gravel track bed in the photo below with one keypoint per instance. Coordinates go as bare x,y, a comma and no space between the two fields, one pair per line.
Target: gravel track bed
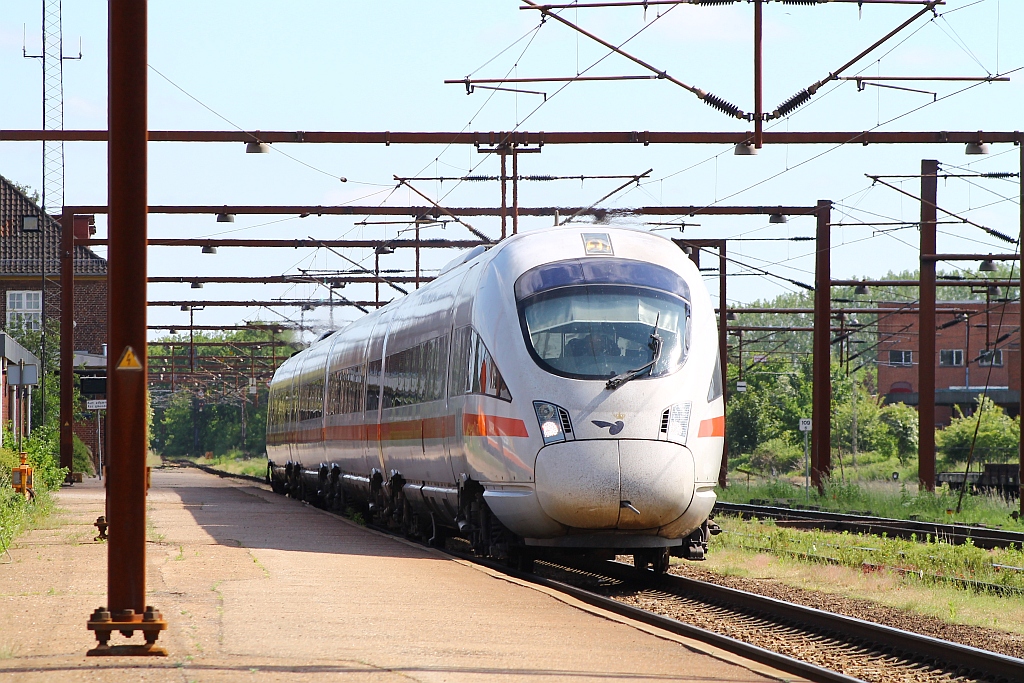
993,640
833,653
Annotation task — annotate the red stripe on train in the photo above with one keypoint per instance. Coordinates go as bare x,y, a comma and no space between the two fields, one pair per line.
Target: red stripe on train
473,424
492,425
713,427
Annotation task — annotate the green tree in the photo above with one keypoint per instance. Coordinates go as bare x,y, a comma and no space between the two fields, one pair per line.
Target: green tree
901,421
998,436
204,411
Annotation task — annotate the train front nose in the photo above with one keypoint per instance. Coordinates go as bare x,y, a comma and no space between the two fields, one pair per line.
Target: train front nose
611,484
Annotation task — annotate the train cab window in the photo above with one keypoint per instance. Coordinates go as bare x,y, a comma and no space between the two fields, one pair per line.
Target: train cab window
595,320
473,370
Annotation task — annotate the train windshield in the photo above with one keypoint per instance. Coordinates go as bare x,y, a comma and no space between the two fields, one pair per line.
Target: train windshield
599,331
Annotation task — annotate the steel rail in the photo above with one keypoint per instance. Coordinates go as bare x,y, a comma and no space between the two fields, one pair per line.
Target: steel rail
761,655
915,646
956,534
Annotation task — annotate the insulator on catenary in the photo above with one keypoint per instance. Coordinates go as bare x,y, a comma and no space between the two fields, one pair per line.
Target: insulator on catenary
792,103
715,2
722,106
804,2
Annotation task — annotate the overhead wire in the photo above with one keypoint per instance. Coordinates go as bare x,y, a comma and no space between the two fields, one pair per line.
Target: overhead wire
240,129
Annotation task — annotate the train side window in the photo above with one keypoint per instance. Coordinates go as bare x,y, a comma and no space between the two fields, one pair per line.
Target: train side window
373,385
473,368
715,390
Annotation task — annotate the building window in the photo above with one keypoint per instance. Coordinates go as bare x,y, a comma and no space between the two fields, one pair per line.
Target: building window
24,310
993,357
901,358
951,358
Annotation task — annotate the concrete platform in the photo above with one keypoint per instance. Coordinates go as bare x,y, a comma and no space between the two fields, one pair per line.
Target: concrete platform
258,587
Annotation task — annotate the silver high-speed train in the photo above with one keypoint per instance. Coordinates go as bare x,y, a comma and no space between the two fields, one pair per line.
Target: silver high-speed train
560,391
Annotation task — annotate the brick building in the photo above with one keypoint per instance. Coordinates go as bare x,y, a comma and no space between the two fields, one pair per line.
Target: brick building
28,236
975,346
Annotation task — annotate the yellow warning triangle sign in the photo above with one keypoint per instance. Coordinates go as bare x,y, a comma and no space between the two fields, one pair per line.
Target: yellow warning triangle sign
129,361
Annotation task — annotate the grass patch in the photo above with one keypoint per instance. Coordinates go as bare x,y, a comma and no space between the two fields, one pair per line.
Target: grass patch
233,463
18,514
930,556
885,498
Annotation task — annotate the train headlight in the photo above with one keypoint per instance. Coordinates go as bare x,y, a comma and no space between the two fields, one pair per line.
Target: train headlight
675,422
549,417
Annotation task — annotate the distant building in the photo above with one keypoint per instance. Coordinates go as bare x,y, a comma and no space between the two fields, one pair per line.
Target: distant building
19,371
28,236
983,349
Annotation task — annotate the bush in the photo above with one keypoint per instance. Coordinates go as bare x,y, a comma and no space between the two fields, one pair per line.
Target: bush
998,436
776,456
82,461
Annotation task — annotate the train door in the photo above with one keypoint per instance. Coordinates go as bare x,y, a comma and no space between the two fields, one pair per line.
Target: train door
462,314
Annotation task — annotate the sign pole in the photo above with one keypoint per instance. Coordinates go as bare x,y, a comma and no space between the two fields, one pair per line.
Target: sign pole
807,472
805,427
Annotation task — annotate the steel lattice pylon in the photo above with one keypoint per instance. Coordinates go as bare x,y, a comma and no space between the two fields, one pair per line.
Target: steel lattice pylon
52,57
53,107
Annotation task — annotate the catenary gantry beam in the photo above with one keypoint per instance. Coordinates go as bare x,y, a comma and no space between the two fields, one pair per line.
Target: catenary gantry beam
266,304
495,138
344,210
329,280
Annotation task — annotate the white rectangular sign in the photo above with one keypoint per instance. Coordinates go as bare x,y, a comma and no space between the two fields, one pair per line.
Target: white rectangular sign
16,377
741,386
805,424
96,404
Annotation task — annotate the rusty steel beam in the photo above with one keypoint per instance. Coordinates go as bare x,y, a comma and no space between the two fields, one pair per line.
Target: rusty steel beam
932,257
272,328
646,3
723,351
67,342
1020,377
298,302
184,344
493,138
939,282
287,279
126,312
544,211
877,310
926,325
758,75
821,413
297,243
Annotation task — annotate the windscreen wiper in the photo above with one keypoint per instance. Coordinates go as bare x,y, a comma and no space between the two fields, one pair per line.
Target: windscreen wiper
655,346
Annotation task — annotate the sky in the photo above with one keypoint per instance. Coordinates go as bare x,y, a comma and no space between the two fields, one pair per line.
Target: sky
332,65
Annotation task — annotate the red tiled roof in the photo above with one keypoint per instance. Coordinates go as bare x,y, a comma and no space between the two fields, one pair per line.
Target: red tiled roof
21,252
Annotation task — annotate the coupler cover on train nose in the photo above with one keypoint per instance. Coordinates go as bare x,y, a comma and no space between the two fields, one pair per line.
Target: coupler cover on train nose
611,484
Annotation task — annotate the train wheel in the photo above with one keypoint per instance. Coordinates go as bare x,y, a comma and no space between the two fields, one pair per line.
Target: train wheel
641,560
661,563
521,559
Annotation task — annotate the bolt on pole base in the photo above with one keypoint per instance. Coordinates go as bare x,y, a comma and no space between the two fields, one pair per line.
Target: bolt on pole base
127,622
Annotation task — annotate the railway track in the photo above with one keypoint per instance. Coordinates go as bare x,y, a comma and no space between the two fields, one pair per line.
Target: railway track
956,534
800,640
